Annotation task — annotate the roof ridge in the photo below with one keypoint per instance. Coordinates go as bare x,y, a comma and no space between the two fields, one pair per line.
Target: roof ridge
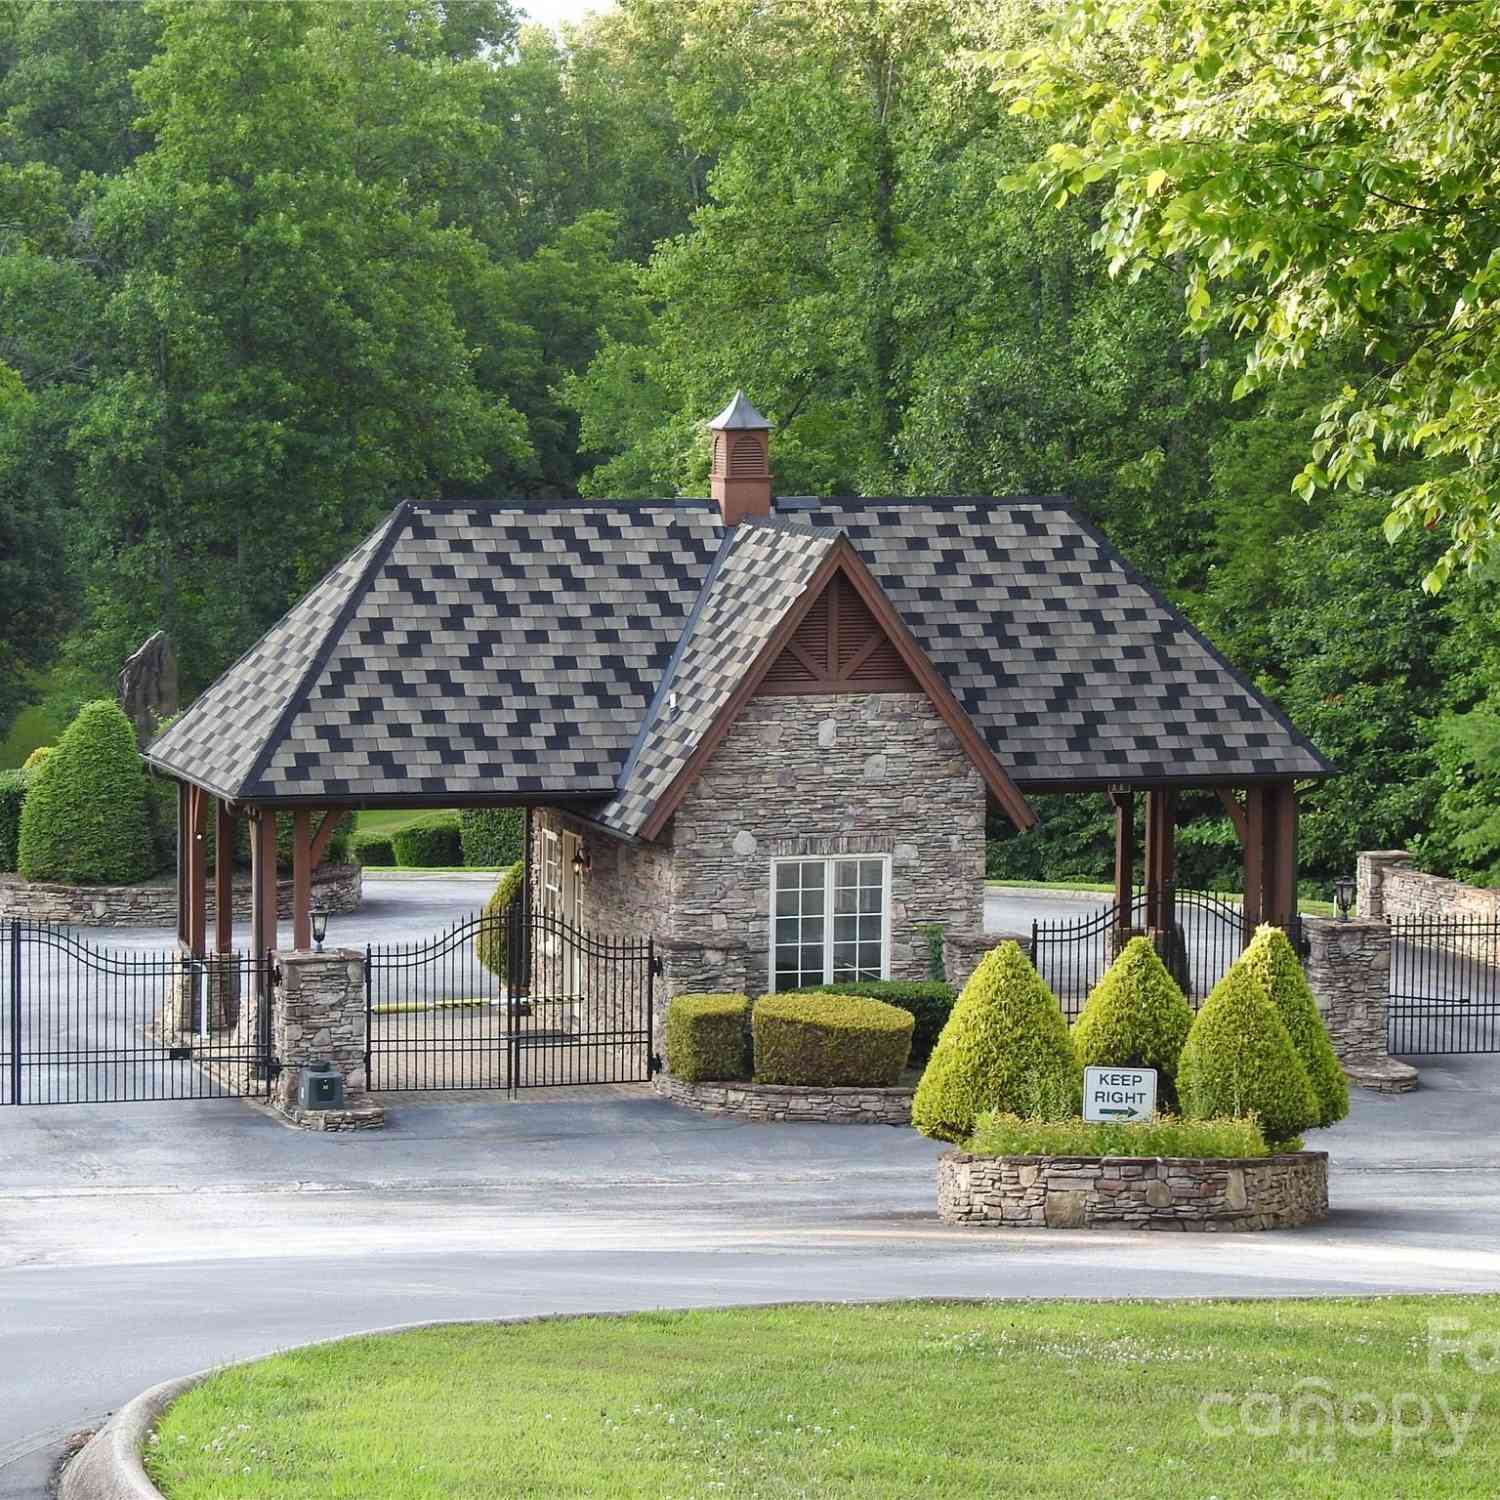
662,502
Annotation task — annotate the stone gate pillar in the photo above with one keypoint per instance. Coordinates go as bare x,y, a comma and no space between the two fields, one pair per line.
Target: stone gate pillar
1349,970
318,1015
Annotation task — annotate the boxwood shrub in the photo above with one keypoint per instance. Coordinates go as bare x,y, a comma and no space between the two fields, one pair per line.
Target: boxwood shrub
12,795
829,1040
84,819
1006,1046
1271,959
997,1134
492,836
706,1037
1135,1017
429,841
1240,1060
493,941
929,1001
373,848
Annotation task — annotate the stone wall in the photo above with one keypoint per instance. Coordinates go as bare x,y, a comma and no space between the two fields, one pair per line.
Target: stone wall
768,1103
1392,888
963,951
1091,1192
336,888
864,773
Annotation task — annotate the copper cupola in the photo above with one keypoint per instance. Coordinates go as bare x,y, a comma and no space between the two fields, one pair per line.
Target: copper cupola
740,479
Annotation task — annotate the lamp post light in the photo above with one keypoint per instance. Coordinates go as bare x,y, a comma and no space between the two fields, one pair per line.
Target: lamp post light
319,928
1343,895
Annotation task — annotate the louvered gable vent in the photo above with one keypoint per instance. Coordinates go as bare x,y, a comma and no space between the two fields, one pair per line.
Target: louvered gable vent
839,648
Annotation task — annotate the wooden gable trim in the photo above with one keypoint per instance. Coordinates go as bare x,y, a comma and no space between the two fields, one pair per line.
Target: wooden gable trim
842,558
839,647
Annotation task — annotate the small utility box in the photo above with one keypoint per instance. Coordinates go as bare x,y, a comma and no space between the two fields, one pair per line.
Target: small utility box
1119,1095
321,1086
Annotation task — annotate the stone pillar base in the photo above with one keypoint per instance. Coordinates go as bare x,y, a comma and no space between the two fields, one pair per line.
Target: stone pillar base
1349,971
317,1015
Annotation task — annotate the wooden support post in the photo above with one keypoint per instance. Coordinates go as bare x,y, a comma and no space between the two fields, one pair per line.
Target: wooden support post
262,881
1124,802
223,879
184,874
1281,858
1160,857
197,864
1255,858
302,859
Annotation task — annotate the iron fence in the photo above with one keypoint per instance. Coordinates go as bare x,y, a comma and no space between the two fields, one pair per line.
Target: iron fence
1206,935
509,1000
92,1023
1445,986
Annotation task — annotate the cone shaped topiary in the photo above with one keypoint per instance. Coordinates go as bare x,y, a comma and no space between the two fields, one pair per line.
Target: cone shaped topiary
1271,959
1240,1060
1006,1047
1135,1017
492,945
84,818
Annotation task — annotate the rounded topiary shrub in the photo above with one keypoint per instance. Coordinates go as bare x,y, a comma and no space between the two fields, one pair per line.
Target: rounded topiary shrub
37,756
12,799
829,1040
492,944
428,842
930,1002
706,1037
1006,1046
84,819
1240,1060
492,836
1135,1017
1271,959
373,848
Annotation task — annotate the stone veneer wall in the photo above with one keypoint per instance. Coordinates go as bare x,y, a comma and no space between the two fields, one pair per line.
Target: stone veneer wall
336,888
768,1102
1091,1192
810,775
318,1014
1392,888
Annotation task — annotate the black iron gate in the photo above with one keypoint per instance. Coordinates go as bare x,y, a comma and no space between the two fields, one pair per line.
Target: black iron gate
1206,935
509,1001
1445,986
88,1023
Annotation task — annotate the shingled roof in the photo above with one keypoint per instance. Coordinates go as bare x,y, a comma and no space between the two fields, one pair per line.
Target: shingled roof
468,653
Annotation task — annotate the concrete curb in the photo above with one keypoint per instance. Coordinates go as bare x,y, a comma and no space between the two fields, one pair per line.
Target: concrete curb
108,1466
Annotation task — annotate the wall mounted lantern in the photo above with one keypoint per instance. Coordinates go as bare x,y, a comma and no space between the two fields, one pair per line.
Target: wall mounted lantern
582,864
1343,895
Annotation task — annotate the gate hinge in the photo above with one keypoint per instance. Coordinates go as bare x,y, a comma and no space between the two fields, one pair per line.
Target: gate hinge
657,968
655,1063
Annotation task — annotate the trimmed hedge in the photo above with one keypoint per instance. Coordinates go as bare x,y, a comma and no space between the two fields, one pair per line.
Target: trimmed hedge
84,818
706,1037
1006,1046
12,797
1240,1060
996,1134
373,848
829,1040
429,841
1271,959
1135,1017
929,1001
492,945
492,836
37,756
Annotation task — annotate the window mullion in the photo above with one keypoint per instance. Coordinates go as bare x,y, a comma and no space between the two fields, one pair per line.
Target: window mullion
830,873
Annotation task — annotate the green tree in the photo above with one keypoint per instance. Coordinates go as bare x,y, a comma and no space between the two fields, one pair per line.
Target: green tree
1323,172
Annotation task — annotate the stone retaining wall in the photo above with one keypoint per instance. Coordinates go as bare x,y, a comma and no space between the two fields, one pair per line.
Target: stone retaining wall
1092,1192
776,1102
336,888
1391,889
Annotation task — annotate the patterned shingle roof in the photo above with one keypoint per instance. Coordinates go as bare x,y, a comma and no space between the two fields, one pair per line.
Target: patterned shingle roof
759,574
1066,661
466,652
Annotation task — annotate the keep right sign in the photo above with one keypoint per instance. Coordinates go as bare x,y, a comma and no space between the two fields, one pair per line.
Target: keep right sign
1119,1094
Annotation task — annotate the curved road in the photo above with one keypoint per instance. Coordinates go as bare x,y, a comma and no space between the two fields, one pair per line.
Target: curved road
142,1241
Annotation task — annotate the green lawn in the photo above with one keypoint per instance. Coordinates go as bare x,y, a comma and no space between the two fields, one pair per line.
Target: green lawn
388,822
952,1400
1306,904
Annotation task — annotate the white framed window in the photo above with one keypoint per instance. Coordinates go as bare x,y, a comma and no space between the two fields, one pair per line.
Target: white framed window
830,920
552,868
